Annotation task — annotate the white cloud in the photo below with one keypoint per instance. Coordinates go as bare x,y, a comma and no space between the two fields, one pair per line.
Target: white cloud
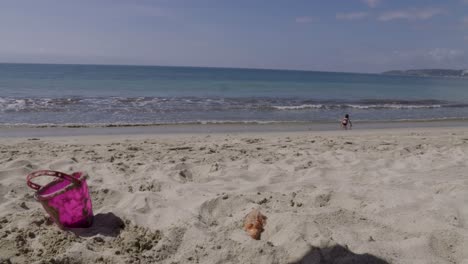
427,58
442,54
373,3
304,19
351,16
411,14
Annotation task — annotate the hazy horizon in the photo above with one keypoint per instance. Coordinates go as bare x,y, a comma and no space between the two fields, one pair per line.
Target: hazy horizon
360,36
215,67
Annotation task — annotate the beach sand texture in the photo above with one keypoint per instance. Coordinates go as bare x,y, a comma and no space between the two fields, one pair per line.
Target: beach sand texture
383,196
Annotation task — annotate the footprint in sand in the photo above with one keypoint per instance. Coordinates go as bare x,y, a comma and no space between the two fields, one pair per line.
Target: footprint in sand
64,165
16,168
448,245
153,186
306,166
19,164
217,210
323,199
182,173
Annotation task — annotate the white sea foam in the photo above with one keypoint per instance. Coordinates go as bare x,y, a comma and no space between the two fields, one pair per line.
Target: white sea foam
354,106
299,107
116,110
393,106
12,105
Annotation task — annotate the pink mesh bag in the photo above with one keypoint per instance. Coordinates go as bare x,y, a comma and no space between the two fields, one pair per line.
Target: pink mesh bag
66,199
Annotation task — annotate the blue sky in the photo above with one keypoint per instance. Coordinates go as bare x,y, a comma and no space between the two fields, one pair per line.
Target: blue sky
326,35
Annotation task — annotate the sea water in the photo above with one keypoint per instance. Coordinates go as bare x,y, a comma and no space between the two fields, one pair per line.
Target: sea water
88,95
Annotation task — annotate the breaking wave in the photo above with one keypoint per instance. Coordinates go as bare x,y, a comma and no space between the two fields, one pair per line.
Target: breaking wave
187,104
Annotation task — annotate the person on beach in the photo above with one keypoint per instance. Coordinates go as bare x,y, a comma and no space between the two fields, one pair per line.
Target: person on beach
346,123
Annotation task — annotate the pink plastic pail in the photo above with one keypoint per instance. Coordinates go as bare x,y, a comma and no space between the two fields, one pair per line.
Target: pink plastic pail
66,198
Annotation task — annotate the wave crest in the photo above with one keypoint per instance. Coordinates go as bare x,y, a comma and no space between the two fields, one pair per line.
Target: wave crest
354,106
137,105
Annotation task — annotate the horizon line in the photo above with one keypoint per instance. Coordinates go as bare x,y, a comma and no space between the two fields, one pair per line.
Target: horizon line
186,66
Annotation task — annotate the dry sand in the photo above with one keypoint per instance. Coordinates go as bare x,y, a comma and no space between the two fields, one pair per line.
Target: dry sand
380,196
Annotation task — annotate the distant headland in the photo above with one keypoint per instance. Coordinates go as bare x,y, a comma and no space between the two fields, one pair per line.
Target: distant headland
430,73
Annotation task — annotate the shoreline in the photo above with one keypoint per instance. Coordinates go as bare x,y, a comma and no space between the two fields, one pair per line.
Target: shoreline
218,128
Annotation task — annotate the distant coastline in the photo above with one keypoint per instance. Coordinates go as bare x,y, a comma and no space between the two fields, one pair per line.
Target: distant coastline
430,73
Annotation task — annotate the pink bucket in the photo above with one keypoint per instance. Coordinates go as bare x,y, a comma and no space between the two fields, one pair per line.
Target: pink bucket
66,199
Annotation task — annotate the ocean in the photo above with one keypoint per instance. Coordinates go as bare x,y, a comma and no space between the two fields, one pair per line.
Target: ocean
103,95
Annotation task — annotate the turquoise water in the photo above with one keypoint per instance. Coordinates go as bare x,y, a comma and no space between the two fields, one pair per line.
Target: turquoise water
97,94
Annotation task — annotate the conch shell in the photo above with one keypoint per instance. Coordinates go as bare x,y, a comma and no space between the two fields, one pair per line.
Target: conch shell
254,223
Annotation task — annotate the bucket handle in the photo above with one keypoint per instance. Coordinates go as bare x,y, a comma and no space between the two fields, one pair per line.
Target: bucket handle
57,174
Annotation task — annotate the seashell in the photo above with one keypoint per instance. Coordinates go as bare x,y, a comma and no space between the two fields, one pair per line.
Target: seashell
254,223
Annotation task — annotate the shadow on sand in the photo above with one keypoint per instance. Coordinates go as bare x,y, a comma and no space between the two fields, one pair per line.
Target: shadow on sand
338,255
107,224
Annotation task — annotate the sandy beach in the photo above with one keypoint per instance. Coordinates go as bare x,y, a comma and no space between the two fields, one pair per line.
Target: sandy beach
369,196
